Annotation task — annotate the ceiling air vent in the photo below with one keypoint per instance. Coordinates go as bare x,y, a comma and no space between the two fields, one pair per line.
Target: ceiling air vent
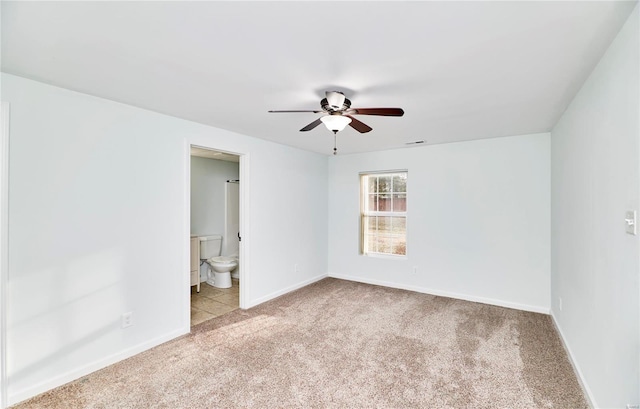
415,143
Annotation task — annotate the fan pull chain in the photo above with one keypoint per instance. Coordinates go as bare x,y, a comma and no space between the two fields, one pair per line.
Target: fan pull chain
335,142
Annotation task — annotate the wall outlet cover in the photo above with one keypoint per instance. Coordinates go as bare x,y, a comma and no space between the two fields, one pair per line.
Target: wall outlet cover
630,222
127,319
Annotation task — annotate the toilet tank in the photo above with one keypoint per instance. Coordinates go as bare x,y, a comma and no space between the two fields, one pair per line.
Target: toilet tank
210,246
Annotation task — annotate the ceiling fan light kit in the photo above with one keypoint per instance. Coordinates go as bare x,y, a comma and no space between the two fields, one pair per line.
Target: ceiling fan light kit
335,100
335,123
338,114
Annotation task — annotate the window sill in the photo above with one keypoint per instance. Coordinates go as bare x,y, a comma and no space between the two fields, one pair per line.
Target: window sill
386,256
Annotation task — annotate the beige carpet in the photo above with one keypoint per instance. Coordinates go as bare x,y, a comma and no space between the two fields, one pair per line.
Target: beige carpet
344,345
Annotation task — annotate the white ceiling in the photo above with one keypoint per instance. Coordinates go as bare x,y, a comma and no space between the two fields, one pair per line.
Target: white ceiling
460,70
211,154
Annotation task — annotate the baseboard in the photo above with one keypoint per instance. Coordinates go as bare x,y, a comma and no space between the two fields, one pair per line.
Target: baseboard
258,301
91,367
576,368
424,290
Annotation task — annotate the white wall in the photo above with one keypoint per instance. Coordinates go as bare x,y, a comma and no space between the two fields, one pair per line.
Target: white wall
595,171
208,179
478,220
99,222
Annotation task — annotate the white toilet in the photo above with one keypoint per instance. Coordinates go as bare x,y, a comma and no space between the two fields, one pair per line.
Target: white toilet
235,274
219,274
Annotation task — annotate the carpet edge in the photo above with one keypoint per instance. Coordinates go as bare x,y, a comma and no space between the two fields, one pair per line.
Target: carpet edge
75,374
448,294
576,368
276,294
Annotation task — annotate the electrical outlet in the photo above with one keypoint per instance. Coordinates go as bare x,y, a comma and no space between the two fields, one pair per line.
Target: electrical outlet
127,319
560,303
630,222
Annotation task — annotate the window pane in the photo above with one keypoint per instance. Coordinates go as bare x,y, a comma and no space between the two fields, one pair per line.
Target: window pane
384,224
400,202
384,184
373,180
384,203
399,225
373,203
372,242
372,225
400,183
400,246
385,244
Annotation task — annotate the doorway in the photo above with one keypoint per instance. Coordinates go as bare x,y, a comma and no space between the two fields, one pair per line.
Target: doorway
216,218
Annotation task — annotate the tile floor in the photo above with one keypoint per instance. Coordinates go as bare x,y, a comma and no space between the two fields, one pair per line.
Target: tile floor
212,302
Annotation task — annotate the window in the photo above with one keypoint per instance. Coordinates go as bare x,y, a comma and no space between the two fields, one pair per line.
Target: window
383,218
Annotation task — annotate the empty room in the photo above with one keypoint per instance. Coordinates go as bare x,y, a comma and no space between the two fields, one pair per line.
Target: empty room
421,204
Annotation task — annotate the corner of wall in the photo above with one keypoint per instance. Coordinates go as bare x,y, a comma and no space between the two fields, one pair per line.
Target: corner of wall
283,291
574,364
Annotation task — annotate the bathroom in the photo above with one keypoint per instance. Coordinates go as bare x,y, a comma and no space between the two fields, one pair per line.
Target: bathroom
214,216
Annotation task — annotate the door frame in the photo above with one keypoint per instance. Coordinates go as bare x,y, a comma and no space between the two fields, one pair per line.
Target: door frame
4,246
244,250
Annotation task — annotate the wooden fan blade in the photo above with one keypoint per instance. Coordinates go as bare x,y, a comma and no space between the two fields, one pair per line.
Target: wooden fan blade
278,112
311,125
359,126
377,111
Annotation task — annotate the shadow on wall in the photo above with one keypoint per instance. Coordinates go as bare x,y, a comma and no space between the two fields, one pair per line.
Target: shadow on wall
83,311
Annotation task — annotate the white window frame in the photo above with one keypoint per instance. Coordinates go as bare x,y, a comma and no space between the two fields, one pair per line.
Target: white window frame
365,213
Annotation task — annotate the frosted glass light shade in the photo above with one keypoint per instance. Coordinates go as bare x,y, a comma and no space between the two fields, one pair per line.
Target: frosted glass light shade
335,99
335,123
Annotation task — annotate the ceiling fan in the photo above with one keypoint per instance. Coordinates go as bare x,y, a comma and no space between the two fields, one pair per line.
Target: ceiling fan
339,114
